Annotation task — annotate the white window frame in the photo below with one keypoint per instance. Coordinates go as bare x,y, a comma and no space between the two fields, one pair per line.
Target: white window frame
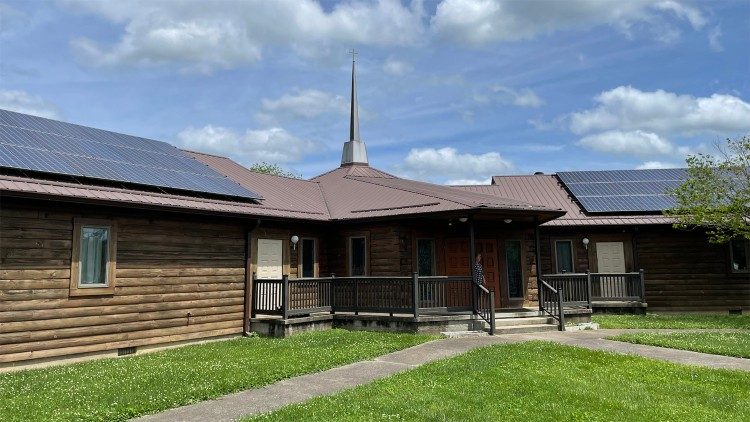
76,287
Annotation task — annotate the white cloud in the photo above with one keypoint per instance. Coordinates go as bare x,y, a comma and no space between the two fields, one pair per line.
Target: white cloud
447,164
479,22
224,34
637,143
626,108
521,98
714,39
274,145
308,103
397,67
23,102
648,165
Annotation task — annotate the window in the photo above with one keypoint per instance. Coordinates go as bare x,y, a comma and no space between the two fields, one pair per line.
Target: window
426,257
307,258
739,255
92,270
564,256
357,256
514,267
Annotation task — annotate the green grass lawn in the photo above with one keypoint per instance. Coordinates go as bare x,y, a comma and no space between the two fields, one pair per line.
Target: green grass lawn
118,389
670,320
538,381
729,344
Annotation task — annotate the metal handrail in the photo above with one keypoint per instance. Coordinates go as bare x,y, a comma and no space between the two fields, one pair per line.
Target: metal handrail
486,305
552,305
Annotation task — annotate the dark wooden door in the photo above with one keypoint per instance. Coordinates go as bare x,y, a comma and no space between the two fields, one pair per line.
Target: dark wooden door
457,262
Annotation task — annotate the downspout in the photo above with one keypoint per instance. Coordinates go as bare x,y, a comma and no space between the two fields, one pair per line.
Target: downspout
538,255
248,301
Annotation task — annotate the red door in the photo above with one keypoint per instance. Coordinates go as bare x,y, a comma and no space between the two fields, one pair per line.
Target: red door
457,262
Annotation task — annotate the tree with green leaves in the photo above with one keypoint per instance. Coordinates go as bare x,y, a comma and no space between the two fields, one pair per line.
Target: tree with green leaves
716,195
273,168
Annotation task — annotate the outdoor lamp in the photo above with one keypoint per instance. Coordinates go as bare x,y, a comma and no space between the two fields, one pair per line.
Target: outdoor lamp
585,242
295,239
463,219
507,221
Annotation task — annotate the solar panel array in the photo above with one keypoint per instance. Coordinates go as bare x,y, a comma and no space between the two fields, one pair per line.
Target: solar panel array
611,191
49,146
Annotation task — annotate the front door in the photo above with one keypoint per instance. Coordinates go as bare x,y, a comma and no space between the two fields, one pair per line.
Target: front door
270,259
457,262
610,257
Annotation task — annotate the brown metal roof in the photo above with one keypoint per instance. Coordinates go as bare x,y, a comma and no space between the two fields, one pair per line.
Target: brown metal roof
548,190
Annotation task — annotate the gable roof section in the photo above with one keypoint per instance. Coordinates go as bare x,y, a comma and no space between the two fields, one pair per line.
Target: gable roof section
548,190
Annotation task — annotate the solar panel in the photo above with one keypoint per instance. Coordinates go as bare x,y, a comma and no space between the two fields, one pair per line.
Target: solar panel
624,190
49,146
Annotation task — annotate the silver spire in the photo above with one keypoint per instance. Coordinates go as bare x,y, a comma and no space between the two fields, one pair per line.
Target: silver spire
354,150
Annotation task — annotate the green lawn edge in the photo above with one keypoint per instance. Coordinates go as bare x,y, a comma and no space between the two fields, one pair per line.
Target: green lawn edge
537,381
123,388
735,343
673,321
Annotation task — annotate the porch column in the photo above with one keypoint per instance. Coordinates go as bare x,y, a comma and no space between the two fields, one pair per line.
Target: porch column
538,255
472,255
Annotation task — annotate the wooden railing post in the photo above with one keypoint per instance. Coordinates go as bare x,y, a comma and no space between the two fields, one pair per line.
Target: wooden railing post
492,312
333,293
356,296
560,307
285,296
415,292
643,285
588,287
253,307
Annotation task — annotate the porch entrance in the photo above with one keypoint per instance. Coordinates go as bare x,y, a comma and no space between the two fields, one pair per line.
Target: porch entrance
457,263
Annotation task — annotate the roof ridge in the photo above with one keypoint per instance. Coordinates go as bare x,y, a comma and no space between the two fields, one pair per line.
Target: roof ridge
405,190
325,200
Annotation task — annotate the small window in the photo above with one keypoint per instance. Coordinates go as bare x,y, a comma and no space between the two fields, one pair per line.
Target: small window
307,258
564,256
739,255
357,256
426,257
93,260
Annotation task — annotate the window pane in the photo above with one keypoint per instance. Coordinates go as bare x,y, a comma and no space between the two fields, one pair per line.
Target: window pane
515,274
425,256
739,254
308,258
564,254
357,254
94,255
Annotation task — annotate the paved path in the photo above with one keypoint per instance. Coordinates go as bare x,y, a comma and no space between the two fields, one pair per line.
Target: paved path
302,388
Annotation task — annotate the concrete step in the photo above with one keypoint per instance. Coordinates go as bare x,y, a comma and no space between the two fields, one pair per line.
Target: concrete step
516,314
520,329
463,334
506,322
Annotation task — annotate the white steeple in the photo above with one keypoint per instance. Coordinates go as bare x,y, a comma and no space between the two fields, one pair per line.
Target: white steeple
354,150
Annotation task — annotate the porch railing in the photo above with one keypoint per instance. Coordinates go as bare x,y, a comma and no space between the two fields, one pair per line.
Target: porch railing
581,289
486,305
551,303
391,295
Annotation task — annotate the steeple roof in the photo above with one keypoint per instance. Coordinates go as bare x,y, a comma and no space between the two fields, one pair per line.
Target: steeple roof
354,151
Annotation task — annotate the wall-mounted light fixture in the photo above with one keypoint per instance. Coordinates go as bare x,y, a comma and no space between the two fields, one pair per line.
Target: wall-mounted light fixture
463,219
294,240
585,242
508,221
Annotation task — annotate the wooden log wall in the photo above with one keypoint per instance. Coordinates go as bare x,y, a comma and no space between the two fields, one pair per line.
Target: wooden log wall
176,280
684,272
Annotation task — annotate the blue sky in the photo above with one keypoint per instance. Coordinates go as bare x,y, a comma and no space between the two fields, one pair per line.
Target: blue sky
450,91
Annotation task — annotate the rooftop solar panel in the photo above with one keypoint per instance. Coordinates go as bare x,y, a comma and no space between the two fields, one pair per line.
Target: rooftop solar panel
612,191
38,144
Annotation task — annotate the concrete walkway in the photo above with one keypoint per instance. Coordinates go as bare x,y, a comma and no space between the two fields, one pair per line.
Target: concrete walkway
296,390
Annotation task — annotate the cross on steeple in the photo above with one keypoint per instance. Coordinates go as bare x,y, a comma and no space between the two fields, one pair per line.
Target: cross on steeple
353,52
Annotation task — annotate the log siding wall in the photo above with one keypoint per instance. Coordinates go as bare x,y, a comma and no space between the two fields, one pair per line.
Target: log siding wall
175,280
683,271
